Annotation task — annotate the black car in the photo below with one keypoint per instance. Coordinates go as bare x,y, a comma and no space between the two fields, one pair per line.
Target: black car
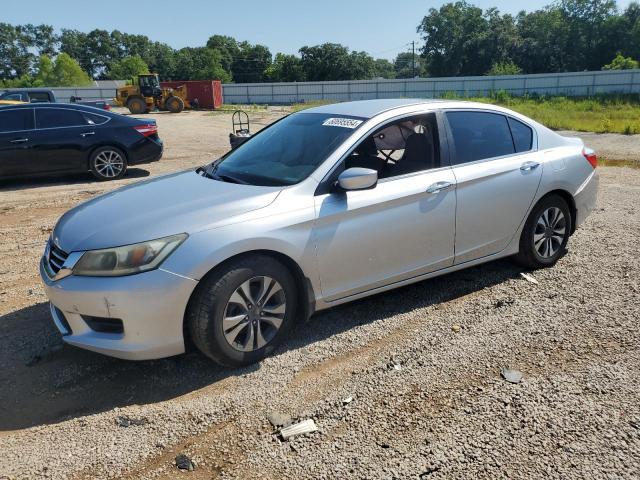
57,138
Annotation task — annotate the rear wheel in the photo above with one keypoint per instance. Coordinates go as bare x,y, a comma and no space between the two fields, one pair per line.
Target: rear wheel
546,233
241,314
137,105
174,104
108,163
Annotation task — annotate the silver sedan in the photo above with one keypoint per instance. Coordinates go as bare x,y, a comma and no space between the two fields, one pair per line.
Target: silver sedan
325,206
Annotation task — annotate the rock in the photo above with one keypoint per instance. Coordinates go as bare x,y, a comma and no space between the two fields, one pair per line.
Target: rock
124,421
185,463
348,400
300,428
456,328
511,376
279,419
529,278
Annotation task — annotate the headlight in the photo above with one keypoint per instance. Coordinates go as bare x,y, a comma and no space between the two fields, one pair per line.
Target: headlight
127,260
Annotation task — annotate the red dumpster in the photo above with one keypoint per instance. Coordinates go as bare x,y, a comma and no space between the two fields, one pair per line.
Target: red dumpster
208,92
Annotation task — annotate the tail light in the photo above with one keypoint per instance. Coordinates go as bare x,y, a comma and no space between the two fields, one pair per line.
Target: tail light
107,106
147,130
591,157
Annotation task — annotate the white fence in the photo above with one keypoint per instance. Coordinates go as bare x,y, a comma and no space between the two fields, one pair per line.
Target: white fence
571,84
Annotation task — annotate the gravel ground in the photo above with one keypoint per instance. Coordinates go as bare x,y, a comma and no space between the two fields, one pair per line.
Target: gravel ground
421,366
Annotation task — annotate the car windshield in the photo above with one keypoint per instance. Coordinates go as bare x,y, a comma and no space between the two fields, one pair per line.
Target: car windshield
286,152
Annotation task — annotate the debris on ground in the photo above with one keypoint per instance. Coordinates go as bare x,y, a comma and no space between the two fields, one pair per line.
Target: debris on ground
529,278
455,327
348,400
300,428
185,463
124,421
511,376
279,420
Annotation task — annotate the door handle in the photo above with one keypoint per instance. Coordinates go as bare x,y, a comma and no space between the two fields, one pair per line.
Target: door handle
439,187
20,140
528,166
84,134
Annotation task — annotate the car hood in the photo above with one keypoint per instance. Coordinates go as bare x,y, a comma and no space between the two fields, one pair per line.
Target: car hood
167,205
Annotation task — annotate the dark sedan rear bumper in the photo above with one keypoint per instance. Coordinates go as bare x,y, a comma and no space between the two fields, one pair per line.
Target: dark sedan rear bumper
147,152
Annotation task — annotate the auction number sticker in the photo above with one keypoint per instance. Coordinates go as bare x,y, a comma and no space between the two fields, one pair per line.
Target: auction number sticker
341,122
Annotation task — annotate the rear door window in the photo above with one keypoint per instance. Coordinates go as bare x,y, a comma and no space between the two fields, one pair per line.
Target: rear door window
479,135
522,135
59,117
16,120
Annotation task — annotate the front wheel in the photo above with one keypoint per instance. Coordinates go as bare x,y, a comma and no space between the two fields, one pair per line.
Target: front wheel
240,314
545,234
108,163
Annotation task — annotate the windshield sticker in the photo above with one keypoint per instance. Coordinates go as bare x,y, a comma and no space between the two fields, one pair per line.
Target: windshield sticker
341,122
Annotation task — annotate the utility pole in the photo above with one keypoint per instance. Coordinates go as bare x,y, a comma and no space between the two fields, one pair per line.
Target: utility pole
413,52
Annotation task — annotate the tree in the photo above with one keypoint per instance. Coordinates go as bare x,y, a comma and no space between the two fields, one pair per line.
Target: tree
383,68
199,63
251,63
404,63
127,68
457,40
285,68
504,68
228,48
621,63
67,73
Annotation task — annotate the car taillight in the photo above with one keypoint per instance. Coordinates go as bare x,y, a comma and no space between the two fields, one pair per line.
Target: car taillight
147,130
591,157
107,106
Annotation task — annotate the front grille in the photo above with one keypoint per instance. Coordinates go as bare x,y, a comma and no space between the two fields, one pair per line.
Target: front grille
56,258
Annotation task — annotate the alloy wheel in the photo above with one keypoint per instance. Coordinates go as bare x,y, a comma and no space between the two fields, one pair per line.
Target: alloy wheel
109,164
550,232
254,313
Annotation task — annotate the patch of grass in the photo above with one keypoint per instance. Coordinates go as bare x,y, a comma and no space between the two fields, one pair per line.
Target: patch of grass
604,114
605,162
230,108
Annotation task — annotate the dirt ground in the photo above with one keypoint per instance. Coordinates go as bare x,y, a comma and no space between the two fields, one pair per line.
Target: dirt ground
403,385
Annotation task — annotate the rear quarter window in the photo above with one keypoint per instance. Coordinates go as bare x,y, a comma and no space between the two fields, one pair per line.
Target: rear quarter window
16,120
93,119
522,135
479,135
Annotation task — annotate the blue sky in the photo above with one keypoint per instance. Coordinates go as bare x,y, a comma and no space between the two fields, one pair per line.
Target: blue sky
380,27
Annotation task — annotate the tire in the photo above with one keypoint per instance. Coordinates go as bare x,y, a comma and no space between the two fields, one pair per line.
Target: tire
220,321
108,163
137,105
545,234
174,104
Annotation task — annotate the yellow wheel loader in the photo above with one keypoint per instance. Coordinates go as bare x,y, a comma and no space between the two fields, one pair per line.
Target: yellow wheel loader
146,94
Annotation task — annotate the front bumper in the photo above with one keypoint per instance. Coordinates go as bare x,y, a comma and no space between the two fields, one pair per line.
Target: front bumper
151,306
586,197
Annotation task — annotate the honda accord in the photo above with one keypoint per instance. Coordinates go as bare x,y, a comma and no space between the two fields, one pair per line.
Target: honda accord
322,207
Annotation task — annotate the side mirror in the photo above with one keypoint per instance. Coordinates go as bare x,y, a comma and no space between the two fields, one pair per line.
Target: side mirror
358,178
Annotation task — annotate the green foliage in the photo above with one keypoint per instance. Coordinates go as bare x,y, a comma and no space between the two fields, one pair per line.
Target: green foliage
404,63
64,71
285,68
383,68
621,63
128,67
504,68
601,114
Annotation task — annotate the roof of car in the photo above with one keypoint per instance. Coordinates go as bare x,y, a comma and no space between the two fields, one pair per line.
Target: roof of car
371,108
366,108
